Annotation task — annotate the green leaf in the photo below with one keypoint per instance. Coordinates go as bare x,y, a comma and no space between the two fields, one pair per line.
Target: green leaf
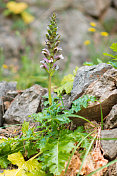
6,12
99,61
25,168
67,87
114,64
114,47
88,63
82,102
110,55
67,83
67,78
16,159
84,158
55,154
25,127
75,71
4,162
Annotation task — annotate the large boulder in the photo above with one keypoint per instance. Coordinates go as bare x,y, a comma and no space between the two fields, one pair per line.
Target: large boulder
105,91
108,145
9,41
4,88
24,105
115,3
111,119
109,19
92,7
85,76
111,170
61,4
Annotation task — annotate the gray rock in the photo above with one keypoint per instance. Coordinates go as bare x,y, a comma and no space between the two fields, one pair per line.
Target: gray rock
105,91
10,42
115,3
10,95
24,105
92,7
85,76
111,120
30,2
4,88
109,19
61,4
73,25
109,147
111,170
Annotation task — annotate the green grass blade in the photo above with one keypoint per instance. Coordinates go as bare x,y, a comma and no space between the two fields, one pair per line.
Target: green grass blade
108,139
80,117
101,116
110,163
76,149
86,154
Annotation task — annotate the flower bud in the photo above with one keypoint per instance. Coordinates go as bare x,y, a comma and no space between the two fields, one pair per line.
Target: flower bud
45,52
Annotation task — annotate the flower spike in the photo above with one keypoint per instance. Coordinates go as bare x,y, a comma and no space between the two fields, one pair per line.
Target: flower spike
52,52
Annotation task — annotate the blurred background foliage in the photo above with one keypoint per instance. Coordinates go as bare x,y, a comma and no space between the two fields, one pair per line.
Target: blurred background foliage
22,15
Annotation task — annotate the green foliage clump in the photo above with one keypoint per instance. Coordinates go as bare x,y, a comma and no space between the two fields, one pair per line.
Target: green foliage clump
52,138
25,168
82,102
57,141
67,83
113,62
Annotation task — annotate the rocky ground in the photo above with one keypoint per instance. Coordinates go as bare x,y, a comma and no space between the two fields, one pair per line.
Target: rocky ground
98,80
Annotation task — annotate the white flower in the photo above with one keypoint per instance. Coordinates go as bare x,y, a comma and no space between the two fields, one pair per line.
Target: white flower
61,56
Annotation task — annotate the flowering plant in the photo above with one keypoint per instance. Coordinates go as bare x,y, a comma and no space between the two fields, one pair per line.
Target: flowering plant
52,52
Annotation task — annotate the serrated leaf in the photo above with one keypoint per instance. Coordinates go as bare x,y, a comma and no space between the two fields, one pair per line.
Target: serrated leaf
82,102
2,140
114,47
56,154
25,168
4,162
9,172
66,84
16,159
67,78
110,55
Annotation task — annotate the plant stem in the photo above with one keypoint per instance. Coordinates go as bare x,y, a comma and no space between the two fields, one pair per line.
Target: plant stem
49,89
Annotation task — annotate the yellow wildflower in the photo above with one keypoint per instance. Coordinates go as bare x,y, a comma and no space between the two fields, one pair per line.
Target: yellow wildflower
5,66
87,42
16,7
105,34
28,18
93,24
92,29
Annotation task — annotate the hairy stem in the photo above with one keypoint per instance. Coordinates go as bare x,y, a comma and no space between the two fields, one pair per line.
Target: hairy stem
49,89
